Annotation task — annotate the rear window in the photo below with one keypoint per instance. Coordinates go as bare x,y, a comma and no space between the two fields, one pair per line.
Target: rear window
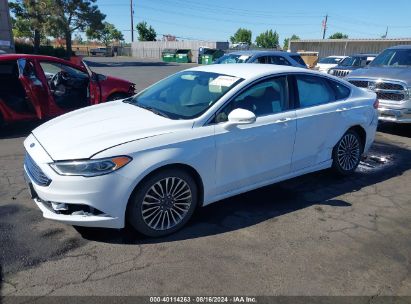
298,59
341,91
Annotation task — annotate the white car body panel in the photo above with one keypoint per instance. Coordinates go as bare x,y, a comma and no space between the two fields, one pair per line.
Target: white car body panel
228,159
325,67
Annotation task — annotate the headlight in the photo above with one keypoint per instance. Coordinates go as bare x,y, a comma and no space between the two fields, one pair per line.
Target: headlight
331,72
91,167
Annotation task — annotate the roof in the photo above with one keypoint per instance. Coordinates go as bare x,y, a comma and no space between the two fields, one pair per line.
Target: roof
363,55
257,52
248,70
37,57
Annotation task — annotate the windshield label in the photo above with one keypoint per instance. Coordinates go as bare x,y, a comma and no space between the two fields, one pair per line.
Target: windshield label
224,81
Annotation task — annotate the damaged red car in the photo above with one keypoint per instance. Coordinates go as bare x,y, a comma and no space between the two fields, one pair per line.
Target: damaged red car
40,87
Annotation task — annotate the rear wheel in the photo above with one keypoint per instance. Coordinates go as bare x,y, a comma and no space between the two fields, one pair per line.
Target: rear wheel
163,203
347,153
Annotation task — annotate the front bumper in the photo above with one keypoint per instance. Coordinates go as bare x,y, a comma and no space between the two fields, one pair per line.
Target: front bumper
108,194
390,114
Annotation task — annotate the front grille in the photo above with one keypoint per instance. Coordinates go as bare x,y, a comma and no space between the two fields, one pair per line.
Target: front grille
35,172
389,86
341,73
359,83
386,90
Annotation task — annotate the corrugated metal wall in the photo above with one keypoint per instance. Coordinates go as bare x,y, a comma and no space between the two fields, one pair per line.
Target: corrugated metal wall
153,49
329,47
6,39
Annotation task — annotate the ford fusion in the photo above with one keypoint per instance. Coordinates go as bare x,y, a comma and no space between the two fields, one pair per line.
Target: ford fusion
194,138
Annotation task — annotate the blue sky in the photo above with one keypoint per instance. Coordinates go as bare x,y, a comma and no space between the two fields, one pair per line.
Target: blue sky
219,19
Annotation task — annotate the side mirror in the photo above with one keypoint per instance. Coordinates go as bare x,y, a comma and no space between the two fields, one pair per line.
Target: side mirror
241,117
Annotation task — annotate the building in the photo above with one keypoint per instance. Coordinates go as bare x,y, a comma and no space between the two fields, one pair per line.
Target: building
154,49
6,37
345,47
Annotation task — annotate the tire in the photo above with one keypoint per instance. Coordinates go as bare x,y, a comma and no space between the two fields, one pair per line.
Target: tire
116,96
347,153
154,214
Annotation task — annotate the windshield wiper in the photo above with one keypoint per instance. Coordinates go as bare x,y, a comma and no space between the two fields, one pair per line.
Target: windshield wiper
151,109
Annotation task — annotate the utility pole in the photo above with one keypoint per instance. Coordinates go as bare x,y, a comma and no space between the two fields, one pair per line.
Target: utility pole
132,23
325,25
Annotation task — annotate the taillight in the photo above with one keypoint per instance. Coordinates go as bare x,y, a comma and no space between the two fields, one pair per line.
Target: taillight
376,103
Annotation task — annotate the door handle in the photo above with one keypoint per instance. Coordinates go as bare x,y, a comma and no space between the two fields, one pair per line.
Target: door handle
283,119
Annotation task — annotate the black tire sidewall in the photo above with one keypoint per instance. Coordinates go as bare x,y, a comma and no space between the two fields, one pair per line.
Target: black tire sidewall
336,166
134,215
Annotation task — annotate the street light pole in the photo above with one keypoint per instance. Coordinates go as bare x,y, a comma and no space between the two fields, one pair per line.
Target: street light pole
132,23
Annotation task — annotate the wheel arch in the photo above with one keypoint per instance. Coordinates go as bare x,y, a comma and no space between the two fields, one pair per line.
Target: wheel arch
179,166
361,132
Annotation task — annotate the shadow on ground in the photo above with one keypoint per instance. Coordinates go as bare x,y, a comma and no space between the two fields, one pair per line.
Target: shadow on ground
395,129
21,129
122,64
256,206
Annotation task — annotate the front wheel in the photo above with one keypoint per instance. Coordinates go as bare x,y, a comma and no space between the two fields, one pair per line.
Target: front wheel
163,203
347,153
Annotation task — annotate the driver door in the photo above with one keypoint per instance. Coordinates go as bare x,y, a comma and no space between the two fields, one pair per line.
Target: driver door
68,87
35,89
252,154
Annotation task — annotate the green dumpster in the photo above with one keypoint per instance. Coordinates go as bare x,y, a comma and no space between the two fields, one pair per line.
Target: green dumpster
169,55
210,55
183,56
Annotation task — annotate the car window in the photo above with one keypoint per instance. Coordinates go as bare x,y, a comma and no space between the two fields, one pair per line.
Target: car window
313,90
52,68
340,90
264,98
262,59
280,60
298,59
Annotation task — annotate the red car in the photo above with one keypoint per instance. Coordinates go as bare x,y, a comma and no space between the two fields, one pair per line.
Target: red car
40,87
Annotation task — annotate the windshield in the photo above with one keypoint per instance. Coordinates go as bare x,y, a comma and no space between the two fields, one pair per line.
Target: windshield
185,95
330,60
233,58
394,58
351,61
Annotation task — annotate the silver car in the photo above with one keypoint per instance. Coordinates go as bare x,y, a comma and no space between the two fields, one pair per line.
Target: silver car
267,57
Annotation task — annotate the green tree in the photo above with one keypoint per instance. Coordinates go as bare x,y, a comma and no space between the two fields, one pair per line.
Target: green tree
30,19
267,40
287,41
106,35
338,35
73,15
146,32
242,35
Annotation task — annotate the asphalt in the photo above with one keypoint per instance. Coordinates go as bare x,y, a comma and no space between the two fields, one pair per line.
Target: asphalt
313,235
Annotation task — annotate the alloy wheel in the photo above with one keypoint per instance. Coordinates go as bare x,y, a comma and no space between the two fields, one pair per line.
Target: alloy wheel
348,152
166,203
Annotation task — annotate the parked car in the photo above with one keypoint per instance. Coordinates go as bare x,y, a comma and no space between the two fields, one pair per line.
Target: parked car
39,87
269,57
389,75
102,51
194,138
324,64
351,63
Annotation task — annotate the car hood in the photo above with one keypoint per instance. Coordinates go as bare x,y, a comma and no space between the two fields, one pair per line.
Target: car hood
401,74
83,133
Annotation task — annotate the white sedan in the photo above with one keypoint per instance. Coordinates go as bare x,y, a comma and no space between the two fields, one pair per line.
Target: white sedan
194,138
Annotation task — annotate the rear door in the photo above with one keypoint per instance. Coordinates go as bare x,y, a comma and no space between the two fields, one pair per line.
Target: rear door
35,89
321,119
